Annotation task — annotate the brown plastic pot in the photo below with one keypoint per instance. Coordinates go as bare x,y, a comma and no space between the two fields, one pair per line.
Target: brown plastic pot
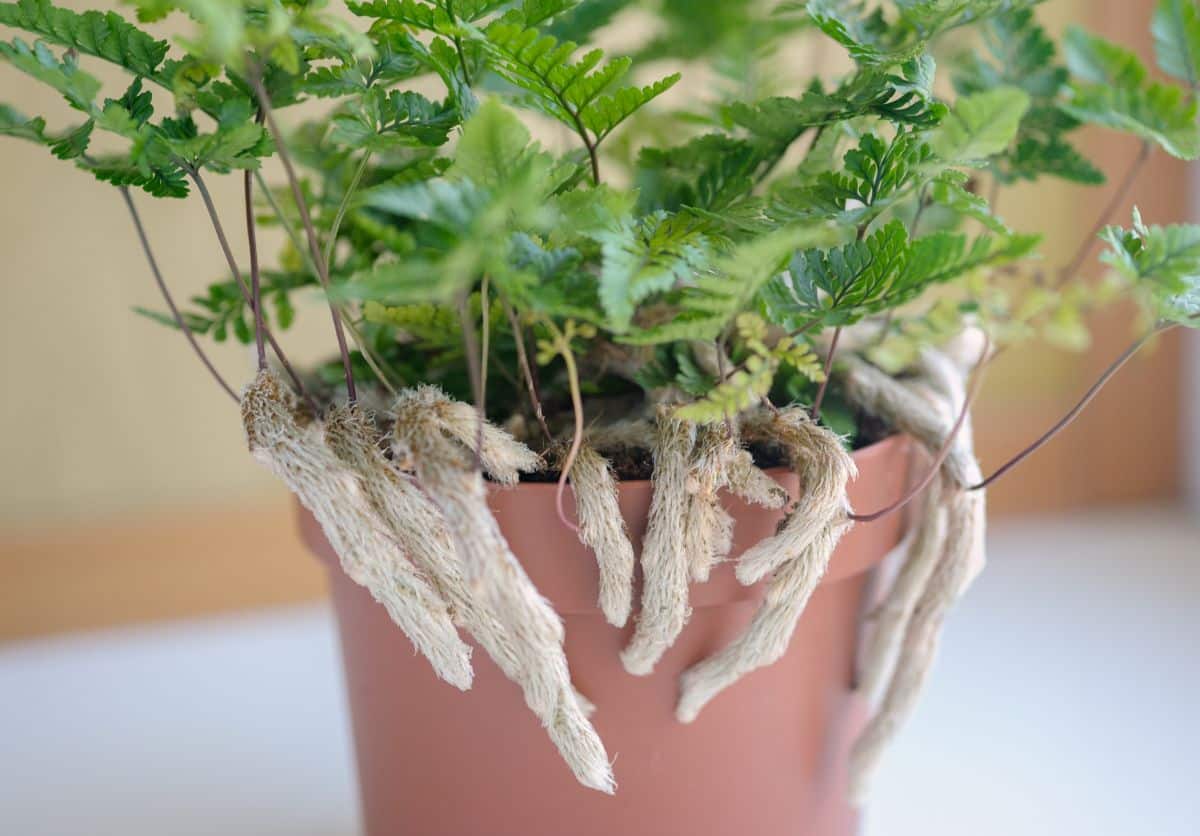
765,758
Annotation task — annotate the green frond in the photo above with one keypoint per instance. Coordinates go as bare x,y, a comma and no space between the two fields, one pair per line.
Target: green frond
1113,89
648,256
1163,262
742,389
1176,28
980,125
104,35
578,91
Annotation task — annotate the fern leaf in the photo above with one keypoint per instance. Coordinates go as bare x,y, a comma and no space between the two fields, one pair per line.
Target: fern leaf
1164,264
576,91
741,390
431,324
1157,113
76,86
980,125
717,295
421,15
1018,52
16,124
1114,91
1097,61
104,35
647,257
840,286
1176,28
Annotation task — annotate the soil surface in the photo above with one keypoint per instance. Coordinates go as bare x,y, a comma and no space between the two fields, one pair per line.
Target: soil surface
630,464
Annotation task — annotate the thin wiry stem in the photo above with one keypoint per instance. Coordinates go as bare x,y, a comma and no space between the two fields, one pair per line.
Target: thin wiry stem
166,294
944,451
219,229
344,206
264,102
277,210
577,438
1118,199
527,370
382,370
457,41
471,347
485,332
255,275
820,398
1087,398
376,364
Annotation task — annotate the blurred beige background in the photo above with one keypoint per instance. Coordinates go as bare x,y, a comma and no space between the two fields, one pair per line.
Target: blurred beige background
127,492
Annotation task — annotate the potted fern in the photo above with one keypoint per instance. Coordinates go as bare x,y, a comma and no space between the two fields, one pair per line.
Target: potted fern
626,343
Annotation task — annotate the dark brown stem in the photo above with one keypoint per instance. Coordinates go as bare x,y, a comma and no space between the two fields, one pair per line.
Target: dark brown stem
1118,200
255,276
166,294
1087,398
593,157
526,370
314,246
820,398
219,229
944,451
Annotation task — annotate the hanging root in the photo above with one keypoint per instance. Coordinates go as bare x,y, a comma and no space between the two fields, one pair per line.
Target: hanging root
298,455
964,512
883,396
800,557
665,608
417,524
890,620
767,637
945,555
718,464
602,529
504,458
708,530
745,480
824,468
424,442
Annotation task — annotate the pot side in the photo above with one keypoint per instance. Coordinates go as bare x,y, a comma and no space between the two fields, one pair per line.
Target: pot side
765,758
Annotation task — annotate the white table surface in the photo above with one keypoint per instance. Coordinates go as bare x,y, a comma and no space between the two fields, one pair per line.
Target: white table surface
1064,703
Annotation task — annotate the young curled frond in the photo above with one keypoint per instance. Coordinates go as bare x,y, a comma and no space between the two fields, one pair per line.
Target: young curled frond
297,453
665,608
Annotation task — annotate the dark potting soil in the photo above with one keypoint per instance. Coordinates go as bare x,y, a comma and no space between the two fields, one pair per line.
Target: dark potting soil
633,464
